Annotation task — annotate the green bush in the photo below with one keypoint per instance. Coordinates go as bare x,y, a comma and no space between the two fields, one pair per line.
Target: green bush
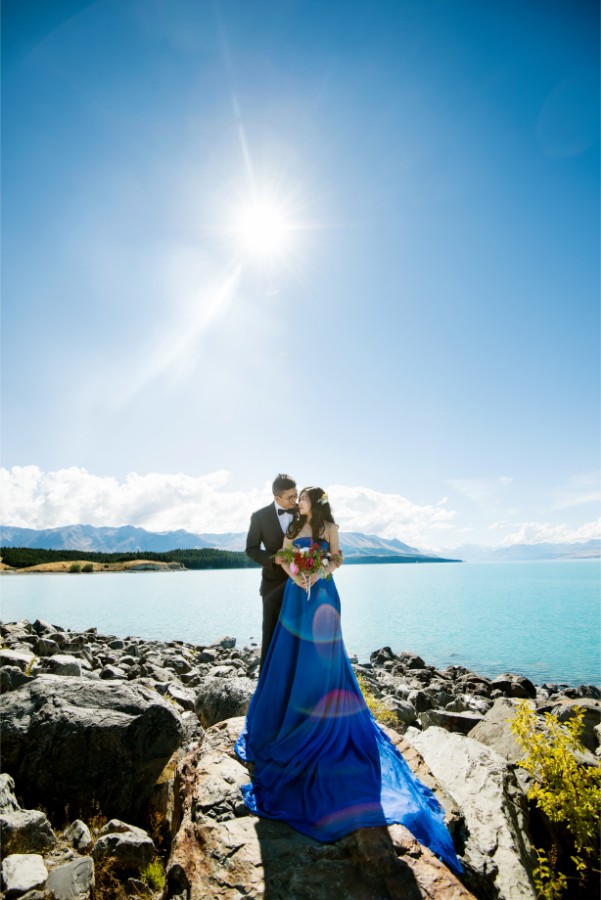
154,875
376,706
89,567
75,567
566,792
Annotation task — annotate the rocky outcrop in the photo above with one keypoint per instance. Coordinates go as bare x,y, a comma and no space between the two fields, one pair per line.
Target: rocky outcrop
74,741
498,855
221,851
119,723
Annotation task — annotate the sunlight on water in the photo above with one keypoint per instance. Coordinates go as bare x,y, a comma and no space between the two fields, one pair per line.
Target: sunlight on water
538,619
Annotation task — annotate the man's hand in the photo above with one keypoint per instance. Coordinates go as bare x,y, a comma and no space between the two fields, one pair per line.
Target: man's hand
278,559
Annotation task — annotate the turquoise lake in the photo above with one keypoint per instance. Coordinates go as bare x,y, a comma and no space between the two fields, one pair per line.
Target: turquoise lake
537,619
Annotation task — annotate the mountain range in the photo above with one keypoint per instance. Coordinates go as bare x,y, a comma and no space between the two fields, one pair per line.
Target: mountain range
128,538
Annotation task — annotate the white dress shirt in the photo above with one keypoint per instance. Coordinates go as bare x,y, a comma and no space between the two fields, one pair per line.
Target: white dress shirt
284,520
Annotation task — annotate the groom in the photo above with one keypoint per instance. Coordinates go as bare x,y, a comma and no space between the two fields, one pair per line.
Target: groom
265,537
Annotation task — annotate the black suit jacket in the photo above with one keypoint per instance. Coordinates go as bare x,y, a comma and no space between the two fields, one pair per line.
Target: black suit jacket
265,538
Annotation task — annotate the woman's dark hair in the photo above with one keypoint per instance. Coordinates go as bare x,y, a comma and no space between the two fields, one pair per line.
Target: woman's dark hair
282,483
321,513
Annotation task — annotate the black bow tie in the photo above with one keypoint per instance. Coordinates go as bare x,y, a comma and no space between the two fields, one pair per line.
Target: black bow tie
285,512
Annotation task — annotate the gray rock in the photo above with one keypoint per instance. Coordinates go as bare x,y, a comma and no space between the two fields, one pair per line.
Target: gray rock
125,734
565,711
420,700
78,835
117,826
462,722
11,678
128,851
495,730
25,831
17,658
73,881
112,672
184,697
8,801
495,809
61,664
218,699
46,647
22,872
517,686
597,731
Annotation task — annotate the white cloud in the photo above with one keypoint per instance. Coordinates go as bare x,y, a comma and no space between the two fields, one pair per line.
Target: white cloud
161,502
542,532
388,515
481,490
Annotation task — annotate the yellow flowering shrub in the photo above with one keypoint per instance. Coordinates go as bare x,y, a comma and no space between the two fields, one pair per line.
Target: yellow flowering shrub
566,792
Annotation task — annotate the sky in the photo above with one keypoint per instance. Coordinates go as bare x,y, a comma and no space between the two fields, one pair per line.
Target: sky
354,241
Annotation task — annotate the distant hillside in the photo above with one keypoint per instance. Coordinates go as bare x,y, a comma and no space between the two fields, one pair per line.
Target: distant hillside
129,539
525,552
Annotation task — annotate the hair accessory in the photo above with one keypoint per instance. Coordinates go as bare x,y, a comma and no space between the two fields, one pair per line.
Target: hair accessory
323,499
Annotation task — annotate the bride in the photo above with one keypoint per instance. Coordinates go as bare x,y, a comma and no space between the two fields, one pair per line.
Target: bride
320,761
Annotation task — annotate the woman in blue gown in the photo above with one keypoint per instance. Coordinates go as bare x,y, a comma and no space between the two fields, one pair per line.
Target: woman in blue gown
320,761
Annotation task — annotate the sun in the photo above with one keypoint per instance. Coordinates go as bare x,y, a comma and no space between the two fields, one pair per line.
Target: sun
262,229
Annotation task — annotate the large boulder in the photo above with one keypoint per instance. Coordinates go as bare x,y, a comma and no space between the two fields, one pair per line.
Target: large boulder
221,851
71,881
498,855
221,698
87,743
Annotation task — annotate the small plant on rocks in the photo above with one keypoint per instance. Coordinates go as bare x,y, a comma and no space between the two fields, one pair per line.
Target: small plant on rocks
377,707
154,875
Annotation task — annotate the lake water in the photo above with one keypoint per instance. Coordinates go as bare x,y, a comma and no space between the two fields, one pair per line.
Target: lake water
537,619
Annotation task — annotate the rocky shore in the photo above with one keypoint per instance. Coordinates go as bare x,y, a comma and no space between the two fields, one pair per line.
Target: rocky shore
118,766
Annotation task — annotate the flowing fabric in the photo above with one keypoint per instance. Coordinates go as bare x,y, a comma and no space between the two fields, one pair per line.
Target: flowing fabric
321,762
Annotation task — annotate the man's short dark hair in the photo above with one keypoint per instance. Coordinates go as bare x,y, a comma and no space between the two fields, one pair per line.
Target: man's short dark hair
282,483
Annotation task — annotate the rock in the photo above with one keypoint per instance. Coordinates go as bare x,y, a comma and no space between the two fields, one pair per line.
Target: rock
78,835
84,742
420,700
514,686
482,783
112,672
218,699
129,851
8,801
46,647
25,831
207,656
11,678
494,730
61,664
597,731
184,697
22,661
462,722
73,881
117,826
221,851
22,872
591,719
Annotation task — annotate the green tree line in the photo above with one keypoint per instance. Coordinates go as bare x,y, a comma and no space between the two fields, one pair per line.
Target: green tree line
207,558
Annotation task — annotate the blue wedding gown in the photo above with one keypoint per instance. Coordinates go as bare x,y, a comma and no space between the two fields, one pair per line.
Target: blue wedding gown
321,762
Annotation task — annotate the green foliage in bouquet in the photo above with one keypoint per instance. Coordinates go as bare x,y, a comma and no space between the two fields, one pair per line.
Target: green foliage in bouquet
568,793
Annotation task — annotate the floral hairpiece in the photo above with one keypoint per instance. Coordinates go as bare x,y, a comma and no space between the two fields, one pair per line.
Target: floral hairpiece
323,499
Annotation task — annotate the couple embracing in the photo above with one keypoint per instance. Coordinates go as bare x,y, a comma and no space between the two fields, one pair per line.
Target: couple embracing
321,763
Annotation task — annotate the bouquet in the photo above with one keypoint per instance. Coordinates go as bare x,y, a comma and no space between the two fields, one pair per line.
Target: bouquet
307,561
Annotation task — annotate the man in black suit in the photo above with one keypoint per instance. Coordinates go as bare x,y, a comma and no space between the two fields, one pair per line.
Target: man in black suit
265,537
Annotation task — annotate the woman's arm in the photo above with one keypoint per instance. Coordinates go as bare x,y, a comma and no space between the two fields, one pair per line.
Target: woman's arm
334,542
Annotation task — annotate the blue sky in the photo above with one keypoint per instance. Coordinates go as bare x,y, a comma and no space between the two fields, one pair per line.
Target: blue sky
427,345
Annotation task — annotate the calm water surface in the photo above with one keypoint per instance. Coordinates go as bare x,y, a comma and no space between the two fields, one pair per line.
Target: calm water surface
539,619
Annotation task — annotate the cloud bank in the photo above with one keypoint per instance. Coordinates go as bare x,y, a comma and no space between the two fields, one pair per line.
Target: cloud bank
33,498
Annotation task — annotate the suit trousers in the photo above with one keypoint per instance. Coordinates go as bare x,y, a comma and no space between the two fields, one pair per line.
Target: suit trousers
272,605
